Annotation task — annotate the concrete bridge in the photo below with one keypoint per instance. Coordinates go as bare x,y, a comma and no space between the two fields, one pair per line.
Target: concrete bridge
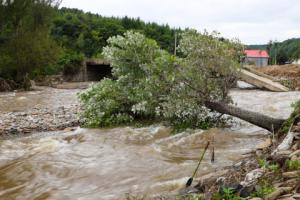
91,70
260,80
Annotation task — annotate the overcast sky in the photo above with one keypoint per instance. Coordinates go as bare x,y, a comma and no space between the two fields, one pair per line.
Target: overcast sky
252,21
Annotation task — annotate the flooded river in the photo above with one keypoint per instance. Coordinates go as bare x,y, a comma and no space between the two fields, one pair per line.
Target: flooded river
104,164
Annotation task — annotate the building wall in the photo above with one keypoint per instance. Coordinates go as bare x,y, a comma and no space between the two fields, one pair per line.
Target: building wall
259,62
80,76
296,61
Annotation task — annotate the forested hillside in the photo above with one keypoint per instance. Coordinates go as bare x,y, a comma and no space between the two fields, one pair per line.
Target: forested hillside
284,52
88,33
257,46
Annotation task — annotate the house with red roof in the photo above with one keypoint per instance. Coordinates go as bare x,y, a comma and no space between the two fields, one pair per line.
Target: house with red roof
258,58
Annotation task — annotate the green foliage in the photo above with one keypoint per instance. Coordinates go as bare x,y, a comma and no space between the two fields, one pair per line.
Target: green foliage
206,72
265,165
288,123
135,91
25,43
263,189
190,197
71,61
286,51
227,194
105,104
88,33
149,83
293,164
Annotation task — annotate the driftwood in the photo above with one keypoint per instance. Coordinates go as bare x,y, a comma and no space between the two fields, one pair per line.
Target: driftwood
286,143
261,120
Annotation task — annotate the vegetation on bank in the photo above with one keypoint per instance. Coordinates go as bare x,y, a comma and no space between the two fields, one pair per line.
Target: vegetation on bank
150,83
290,121
25,44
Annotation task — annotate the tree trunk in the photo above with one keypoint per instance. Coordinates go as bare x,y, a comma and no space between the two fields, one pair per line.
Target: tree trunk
261,120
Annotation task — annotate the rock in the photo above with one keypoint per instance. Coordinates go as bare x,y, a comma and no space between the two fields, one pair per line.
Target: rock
293,174
295,153
286,197
294,158
246,191
295,147
296,196
284,153
189,190
278,159
259,153
290,182
210,178
252,177
264,144
278,192
297,136
69,129
286,143
220,180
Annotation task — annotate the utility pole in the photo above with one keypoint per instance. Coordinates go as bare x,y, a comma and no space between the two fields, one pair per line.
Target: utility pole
275,53
175,44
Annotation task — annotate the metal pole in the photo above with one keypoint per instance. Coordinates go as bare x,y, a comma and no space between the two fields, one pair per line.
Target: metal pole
175,44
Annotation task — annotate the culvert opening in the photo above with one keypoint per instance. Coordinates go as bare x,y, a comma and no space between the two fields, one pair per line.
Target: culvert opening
96,72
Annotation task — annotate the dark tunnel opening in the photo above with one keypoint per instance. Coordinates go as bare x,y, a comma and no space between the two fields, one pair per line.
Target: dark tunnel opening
96,72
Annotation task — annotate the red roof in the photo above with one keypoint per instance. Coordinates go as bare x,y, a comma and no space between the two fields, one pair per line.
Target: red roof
257,53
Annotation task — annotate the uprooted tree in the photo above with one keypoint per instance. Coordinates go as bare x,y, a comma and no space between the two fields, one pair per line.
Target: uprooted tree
190,91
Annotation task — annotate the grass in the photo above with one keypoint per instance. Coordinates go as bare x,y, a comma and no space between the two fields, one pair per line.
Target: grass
263,189
265,165
293,164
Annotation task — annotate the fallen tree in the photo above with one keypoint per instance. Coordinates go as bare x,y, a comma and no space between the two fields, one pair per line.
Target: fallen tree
258,119
150,83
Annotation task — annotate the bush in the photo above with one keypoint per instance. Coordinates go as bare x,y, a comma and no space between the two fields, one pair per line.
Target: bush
288,123
105,104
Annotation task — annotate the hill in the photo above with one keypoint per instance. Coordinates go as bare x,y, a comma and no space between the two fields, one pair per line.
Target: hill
87,33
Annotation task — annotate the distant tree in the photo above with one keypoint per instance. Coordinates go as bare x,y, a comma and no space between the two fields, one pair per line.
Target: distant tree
284,52
25,43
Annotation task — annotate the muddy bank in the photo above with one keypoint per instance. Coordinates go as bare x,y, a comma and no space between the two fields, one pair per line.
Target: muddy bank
288,75
271,172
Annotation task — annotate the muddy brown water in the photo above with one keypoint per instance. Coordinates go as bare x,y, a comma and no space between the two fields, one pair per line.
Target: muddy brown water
110,163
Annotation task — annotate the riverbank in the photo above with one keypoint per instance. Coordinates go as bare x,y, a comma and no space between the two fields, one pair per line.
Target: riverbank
39,120
44,109
271,172
288,74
